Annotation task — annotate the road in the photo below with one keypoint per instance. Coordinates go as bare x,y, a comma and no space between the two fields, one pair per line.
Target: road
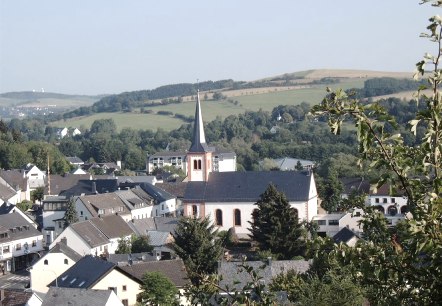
17,280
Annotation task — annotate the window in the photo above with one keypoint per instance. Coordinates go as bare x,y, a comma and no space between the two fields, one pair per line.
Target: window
6,249
34,243
237,217
162,206
219,217
124,288
393,200
322,222
385,200
194,210
392,210
66,261
81,213
197,165
125,302
46,262
18,247
376,200
333,222
60,224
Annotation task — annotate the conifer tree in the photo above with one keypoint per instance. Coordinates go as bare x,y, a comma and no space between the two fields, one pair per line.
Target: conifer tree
197,244
70,215
275,226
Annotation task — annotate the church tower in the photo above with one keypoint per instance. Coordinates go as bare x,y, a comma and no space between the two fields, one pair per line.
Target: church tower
199,157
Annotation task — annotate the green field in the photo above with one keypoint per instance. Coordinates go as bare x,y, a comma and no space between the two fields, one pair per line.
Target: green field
211,109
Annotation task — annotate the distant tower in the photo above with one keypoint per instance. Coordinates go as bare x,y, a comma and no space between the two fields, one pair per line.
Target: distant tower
199,157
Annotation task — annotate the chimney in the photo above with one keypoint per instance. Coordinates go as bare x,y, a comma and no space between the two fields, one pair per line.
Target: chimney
94,187
269,261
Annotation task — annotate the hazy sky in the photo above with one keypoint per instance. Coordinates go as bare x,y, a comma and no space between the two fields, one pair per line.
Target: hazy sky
110,46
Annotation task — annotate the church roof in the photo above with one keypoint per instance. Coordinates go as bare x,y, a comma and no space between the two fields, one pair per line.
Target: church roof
248,186
199,144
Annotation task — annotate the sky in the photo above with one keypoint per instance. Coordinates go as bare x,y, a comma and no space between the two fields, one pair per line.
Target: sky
111,46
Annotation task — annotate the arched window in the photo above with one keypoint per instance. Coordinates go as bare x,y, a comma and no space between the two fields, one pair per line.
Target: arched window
380,209
392,210
65,261
237,217
404,209
46,262
219,217
199,164
194,210
195,164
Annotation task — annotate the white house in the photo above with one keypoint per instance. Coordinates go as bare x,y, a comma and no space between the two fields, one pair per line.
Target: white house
165,204
8,194
51,266
91,206
139,203
61,133
35,176
18,181
331,224
96,236
97,274
20,242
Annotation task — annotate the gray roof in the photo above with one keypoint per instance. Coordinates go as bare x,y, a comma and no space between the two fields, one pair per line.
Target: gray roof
158,194
166,224
355,184
14,297
109,202
62,183
92,235
61,247
6,208
248,186
132,200
236,279
162,224
344,235
74,160
199,144
123,259
6,192
17,227
178,189
136,179
157,238
288,163
113,226
76,296
14,178
172,269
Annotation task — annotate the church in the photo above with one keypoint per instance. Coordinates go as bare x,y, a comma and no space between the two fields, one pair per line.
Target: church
227,197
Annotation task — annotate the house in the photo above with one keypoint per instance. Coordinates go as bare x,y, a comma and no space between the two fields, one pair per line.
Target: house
228,198
20,242
61,184
393,206
78,171
13,297
91,206
331,224
173,269
97,236
97,274
290,164
62,133
346,236
130,259
54,209
75,132
36,177
18,181
8,208
75,161
9,194
56,261
79,296
139,203
165,203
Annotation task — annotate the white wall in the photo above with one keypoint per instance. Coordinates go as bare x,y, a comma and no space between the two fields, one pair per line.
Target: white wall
118,280
74,241
142,213
42,275
168,206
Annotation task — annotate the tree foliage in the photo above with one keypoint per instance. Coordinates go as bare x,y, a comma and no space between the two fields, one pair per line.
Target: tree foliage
197,244
157,289
275,226
71,215
403,267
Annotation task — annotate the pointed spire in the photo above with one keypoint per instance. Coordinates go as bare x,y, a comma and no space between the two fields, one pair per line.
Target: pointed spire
199,138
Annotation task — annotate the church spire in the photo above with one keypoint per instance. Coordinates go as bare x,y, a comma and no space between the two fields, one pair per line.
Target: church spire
199,138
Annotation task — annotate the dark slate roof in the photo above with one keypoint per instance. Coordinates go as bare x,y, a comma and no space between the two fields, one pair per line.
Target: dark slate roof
158,194
85,273
123,259
157,238
6,192
136,179
167,154
92,235
61,183
14,178
199,144
92,187
6,208
21,227
248,186
344,235
178,189
105,201
166,224
76,296
13,297
172,269
355,184
113,226
236,280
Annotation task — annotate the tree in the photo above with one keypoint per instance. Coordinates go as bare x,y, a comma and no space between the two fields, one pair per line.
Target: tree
405,268
157,289
275,225
124,246
37,194
197,244
70,215
330,192
24,205
141,244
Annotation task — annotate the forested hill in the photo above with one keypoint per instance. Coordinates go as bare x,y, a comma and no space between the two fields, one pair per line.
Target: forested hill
34,95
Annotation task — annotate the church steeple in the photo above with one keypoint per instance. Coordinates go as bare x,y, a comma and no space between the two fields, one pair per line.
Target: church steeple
199,139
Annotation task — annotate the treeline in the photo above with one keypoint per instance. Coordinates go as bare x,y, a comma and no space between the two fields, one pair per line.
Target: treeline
384,86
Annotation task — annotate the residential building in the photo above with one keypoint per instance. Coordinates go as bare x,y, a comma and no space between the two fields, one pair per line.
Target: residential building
97,236
291,164
8,194
15,297
346,236
18,181
20,242
75,161
139,203
97,274
91,206
331,224
36,177
51,265
54,209
165,203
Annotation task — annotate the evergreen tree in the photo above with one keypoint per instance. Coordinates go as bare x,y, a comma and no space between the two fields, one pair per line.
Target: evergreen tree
124,246
330,192
197,244
275,225
157,289
141,244
70,215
